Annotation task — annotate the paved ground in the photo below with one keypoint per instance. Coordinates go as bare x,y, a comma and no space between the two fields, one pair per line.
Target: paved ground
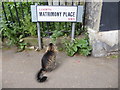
19,70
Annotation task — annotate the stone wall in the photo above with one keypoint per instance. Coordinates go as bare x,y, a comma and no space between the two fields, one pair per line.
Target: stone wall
103,43
0,24
93,13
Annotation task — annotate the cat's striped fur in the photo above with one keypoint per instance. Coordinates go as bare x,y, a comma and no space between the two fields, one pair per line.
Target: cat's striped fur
48,62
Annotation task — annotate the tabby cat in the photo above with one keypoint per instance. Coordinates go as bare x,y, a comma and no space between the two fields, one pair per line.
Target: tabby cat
48,62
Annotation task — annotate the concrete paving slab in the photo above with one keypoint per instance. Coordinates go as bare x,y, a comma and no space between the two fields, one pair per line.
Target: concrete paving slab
19,70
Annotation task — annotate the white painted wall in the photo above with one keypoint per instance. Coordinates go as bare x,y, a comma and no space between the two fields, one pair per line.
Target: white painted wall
109,37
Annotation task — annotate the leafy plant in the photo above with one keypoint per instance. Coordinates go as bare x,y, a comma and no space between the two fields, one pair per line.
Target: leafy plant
10,33
80,46
55,35
13,33
70,48
21,46
11,30
29,27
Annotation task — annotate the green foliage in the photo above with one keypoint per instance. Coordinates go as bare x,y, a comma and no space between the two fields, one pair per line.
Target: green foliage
29,27
80,46
70,48
56,34
14,32
11,30
21,46
79,29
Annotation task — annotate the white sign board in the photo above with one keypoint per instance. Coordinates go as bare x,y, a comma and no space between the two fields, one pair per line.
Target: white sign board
57,13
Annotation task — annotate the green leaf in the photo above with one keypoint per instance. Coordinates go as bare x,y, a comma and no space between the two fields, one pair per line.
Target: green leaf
75,48
21,36
84,52
70,53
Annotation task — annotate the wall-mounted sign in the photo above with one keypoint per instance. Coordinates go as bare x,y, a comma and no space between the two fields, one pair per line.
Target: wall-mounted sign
57,13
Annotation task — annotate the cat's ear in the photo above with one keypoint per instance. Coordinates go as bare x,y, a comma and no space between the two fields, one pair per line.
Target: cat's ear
47,49
55,49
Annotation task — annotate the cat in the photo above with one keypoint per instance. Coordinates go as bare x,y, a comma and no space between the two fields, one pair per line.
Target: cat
48,62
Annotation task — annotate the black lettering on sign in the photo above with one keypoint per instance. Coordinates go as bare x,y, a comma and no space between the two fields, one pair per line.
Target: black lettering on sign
65,14
58,14
71,14
40,13
50,14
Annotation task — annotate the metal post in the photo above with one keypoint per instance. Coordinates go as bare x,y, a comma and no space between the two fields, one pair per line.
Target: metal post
11,13
17,13
39,34
73,32
4,11
22,9
73,27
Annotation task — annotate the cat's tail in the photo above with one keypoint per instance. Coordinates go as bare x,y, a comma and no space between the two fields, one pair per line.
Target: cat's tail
40,77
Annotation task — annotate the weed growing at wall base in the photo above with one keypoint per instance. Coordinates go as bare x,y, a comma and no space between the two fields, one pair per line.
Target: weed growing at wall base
80,46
